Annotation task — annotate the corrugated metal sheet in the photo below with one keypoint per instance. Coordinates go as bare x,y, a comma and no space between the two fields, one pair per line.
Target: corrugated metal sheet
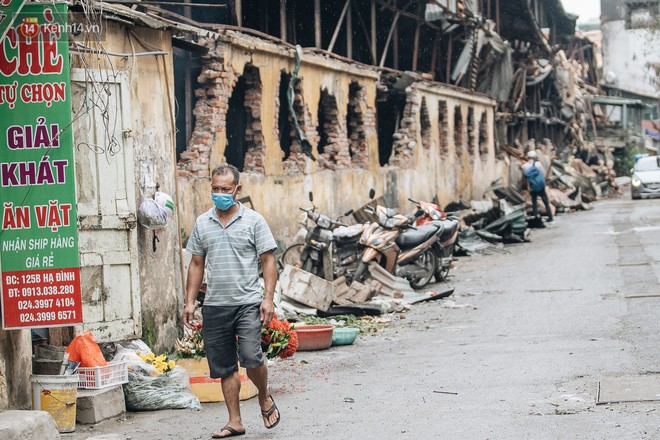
121,13
435,12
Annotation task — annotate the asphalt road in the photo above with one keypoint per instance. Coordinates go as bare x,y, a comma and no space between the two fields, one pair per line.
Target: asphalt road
519,355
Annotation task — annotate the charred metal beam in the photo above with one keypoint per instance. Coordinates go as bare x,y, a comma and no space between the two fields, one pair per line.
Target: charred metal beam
283,20
403,12
363,25
317,23
374,43
338,27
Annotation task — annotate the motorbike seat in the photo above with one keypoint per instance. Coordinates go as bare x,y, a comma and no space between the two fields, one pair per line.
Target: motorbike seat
347,233
414,237
450,227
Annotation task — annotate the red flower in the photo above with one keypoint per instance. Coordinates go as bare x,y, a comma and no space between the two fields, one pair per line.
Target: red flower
278,339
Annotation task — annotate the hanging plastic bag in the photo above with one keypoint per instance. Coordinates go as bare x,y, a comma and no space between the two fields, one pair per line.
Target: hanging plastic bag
85,350
165,202
151,215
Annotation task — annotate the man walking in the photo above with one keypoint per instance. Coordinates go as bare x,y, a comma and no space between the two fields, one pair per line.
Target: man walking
228,240
535,174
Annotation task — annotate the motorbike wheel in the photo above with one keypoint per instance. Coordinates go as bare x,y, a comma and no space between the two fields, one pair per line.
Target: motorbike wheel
428,262
361,272
442,272
308,265
292,255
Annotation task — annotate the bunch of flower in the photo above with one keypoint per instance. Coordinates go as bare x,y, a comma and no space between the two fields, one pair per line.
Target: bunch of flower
192,344
161,363
279,339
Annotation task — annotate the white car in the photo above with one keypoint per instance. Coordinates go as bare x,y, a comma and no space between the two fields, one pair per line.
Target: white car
646,177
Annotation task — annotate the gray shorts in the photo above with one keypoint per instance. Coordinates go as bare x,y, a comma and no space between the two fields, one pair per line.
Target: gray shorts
222,326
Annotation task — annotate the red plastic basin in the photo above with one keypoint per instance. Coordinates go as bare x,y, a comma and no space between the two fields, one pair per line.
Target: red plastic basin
314,337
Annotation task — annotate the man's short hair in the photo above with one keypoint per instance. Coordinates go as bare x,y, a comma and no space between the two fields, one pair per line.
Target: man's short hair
223,170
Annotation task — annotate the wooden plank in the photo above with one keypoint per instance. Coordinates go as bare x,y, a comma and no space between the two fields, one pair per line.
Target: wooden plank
434,53
366,33
338,27
118,305
238,10
416,47
362,216
374,46
317,24
389,38
629,389
349,32
283,20
306,288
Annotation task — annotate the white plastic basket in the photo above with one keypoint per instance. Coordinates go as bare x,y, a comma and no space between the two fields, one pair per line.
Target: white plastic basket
115,373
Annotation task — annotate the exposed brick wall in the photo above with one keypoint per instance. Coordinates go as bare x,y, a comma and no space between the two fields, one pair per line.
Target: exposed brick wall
425,125
217,82
333,143
210,112
296,161
403,149
357,125
255,156
443,127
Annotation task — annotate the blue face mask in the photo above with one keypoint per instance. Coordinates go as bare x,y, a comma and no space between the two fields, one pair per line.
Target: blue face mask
223,201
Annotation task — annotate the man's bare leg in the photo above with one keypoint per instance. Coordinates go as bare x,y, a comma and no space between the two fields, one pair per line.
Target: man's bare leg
231,388
259,376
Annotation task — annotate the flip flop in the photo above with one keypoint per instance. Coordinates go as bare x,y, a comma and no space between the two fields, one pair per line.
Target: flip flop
266,414
232,433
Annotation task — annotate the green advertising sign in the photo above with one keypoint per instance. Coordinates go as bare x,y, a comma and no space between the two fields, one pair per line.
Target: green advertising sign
39,236
9,9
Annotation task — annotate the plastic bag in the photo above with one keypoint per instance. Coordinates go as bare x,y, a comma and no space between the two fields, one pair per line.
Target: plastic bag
145,392
151,215
165,202
85,350
149,390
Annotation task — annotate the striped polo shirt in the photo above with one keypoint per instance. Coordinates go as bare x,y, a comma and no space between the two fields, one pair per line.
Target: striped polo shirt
232,254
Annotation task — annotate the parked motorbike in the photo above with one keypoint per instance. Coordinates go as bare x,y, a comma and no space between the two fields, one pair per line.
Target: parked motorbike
430,213
330,249
399,247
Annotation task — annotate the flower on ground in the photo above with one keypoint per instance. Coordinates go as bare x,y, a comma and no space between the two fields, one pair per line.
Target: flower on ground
161,363
279,339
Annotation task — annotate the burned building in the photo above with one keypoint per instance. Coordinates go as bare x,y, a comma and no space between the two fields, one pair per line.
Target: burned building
409,97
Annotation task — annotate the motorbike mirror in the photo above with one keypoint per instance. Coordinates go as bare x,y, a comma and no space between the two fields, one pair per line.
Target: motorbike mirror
310,195
372,193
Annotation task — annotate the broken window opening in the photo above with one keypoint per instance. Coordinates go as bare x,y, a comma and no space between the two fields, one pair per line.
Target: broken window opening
357,142
236,126
471,134
389,109
332,146
483,136
425,125
443,128
187,68
293,158
245,142
284,123
458,131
